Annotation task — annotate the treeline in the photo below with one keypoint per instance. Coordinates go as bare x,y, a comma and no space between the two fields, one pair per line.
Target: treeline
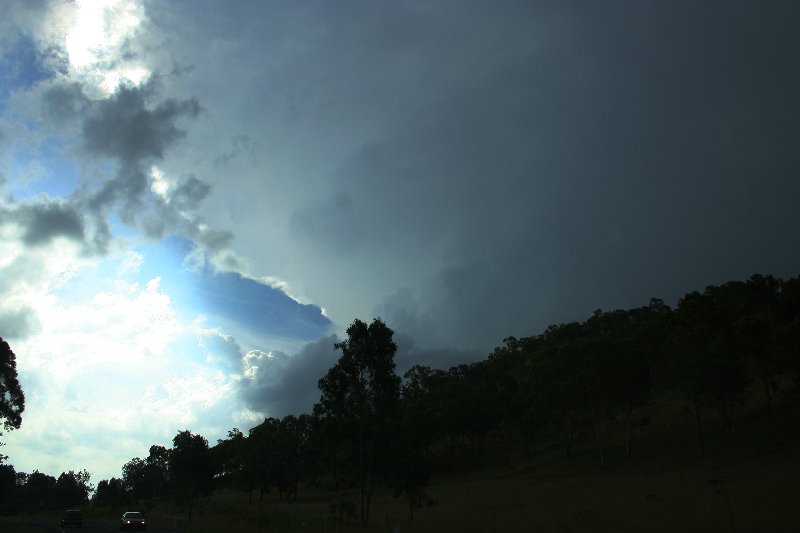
30,493
372,429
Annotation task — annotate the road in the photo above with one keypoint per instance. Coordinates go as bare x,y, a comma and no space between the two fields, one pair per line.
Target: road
94,527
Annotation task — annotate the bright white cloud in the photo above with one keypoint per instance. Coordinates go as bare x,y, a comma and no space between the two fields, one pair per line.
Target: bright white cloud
95,42
98,368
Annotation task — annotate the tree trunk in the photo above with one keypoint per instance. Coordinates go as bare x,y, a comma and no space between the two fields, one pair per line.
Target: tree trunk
569,436
527,442
730,419
369,493
361,480
696,401
767,390
335,478
599,423
628,429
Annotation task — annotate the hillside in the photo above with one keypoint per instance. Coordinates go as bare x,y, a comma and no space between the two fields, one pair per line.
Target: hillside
750,485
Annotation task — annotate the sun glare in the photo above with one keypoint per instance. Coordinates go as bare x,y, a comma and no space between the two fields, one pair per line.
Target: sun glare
158,185
95,42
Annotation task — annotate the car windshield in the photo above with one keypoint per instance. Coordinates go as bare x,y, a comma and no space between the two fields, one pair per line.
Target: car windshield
133,515
73,513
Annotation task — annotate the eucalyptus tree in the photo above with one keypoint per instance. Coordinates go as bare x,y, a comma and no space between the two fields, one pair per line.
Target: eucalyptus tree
728,305
110,492
8,488
641,362
38,491
554,377
362,392
12,398
419,432
259,459
190,469
707,364
73,488
788,330
758,332
229,457
599,374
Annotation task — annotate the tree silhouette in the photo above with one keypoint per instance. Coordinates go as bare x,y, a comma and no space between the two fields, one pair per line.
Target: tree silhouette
72,489
788,330
12,399
362,391
8,488
190,469
109,492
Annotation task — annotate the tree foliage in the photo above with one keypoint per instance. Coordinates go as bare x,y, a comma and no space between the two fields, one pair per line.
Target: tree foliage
12,398
360,395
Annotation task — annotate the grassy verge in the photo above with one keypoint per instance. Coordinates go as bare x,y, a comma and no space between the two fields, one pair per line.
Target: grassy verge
19,525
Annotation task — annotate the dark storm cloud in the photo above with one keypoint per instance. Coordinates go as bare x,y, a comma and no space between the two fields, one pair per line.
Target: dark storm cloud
409,353
124,127
280,385
638,150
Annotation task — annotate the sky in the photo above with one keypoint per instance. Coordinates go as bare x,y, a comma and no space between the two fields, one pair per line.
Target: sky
197,197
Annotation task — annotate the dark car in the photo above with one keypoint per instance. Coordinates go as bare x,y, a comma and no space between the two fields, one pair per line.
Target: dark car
132,520
72,518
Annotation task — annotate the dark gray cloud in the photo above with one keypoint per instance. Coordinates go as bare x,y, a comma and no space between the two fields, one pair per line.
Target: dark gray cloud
64,102
410,353
44,222
134,127
189,193
126,128
628,151
279,384
128,191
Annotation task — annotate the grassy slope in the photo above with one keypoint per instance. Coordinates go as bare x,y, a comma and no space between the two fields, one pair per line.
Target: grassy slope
751,485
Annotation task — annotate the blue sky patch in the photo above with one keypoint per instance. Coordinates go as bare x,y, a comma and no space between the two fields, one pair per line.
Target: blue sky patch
261,309
21,68
57,178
